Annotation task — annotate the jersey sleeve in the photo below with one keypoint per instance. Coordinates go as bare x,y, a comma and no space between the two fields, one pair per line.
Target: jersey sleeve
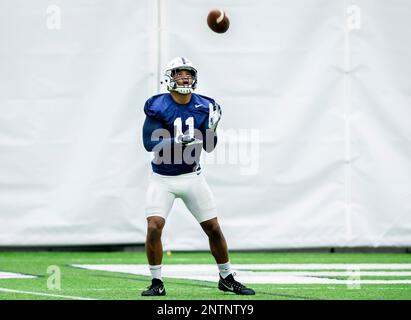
156,107
154,136
150,110
204,99
209,136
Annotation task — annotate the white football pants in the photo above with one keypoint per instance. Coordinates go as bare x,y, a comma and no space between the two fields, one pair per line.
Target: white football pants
192,188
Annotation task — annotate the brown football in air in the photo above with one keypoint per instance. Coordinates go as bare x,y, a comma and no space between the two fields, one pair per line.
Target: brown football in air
218,21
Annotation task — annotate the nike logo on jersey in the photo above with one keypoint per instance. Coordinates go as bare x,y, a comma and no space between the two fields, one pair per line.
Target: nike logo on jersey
198,105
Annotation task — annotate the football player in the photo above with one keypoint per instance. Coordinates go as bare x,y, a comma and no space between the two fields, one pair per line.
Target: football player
178,125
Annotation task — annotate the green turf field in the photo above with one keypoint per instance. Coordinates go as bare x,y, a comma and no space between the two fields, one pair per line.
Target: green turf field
78,283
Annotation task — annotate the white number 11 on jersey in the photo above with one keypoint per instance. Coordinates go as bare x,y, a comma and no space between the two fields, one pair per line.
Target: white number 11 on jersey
179,127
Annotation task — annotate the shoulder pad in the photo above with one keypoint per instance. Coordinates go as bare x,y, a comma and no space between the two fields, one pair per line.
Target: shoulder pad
153,106
206,101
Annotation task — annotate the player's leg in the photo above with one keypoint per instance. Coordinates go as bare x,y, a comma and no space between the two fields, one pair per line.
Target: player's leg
154,247
218,244
159,200
200,201
219,249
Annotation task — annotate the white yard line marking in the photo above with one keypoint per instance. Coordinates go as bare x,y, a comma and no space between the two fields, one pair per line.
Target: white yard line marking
267,273
348,273
43,294
12,275
328,266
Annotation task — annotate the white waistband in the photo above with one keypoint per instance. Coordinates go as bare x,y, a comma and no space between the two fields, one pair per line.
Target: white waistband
184,175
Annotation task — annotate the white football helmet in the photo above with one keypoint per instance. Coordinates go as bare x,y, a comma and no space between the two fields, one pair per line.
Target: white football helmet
179,63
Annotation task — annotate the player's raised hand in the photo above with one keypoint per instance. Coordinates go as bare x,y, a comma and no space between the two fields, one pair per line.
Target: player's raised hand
214,116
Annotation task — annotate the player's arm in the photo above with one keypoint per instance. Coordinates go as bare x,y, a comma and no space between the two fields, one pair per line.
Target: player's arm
214,118
155,136
210,141
214,115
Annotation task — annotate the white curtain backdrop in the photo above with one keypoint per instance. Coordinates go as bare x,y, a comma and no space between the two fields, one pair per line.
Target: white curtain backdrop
314,145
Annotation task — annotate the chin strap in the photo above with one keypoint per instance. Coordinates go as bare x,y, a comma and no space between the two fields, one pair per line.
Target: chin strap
183,90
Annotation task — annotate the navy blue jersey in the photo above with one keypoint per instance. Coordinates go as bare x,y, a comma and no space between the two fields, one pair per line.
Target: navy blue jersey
166,119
